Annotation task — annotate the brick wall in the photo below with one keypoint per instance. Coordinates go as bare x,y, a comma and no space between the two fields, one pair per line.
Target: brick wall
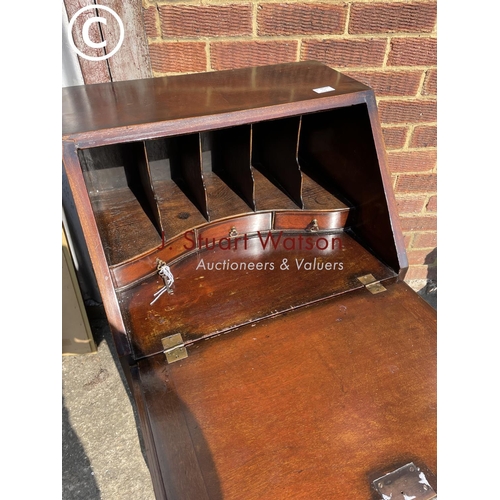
389,45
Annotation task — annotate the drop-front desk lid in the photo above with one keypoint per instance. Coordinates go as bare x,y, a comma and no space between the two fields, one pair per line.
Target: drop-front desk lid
307,375
315,403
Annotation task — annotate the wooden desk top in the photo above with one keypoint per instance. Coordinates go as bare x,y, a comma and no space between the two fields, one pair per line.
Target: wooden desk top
314,404
104,106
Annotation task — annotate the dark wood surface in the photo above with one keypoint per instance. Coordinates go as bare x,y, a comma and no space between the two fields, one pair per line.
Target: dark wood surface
313,404
274,153
337,149
124,104
310,221
207,302
125,229
126,273
230,153
316,197
178,212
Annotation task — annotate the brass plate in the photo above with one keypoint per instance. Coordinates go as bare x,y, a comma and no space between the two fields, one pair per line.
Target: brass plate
176,354
375,288
367,279
173,347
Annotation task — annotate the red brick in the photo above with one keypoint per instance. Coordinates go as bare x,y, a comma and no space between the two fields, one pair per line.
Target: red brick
390,83
341,53
421,273
411,161
301,19
432,204
425,240
150,22
394,137
202,21
407,111
424,136
229,55
184,57
407,239
413,52
424,257
418,223
410,205
422,183
392,17
430,82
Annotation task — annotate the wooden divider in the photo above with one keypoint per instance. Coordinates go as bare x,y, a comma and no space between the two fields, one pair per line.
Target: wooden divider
274,154
122,199
165,187
226,171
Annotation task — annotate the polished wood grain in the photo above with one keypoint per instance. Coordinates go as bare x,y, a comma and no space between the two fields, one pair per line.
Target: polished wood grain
337,150
274,154
123,199
124,227
186,170
311,221
83,205
224,233
229,154
210,297
309,405
223,201
268,196
126,104
316,197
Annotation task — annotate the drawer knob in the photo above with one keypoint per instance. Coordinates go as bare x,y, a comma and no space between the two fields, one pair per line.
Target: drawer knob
313,226
233,232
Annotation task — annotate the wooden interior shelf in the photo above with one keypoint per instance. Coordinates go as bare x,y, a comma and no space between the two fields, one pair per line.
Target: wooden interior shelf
178,200
164,187
269,196
316,197
120,193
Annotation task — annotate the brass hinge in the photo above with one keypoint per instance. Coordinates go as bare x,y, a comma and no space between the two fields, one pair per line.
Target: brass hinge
371,284
173,348
406,483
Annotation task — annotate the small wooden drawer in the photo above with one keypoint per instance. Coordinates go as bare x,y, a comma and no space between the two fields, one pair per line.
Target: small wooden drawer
129,272
310,221
234,228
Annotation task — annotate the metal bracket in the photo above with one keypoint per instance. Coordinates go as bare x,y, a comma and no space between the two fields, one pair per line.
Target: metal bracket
173,348
371,284
406,483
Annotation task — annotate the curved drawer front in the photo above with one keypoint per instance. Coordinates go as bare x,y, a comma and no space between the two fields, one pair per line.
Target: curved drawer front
195,239
234,228
310,221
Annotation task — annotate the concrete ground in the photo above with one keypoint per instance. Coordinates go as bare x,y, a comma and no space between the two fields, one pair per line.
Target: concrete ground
102,454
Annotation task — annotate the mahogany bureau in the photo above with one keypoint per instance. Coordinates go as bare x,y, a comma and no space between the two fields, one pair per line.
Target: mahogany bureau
244,236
